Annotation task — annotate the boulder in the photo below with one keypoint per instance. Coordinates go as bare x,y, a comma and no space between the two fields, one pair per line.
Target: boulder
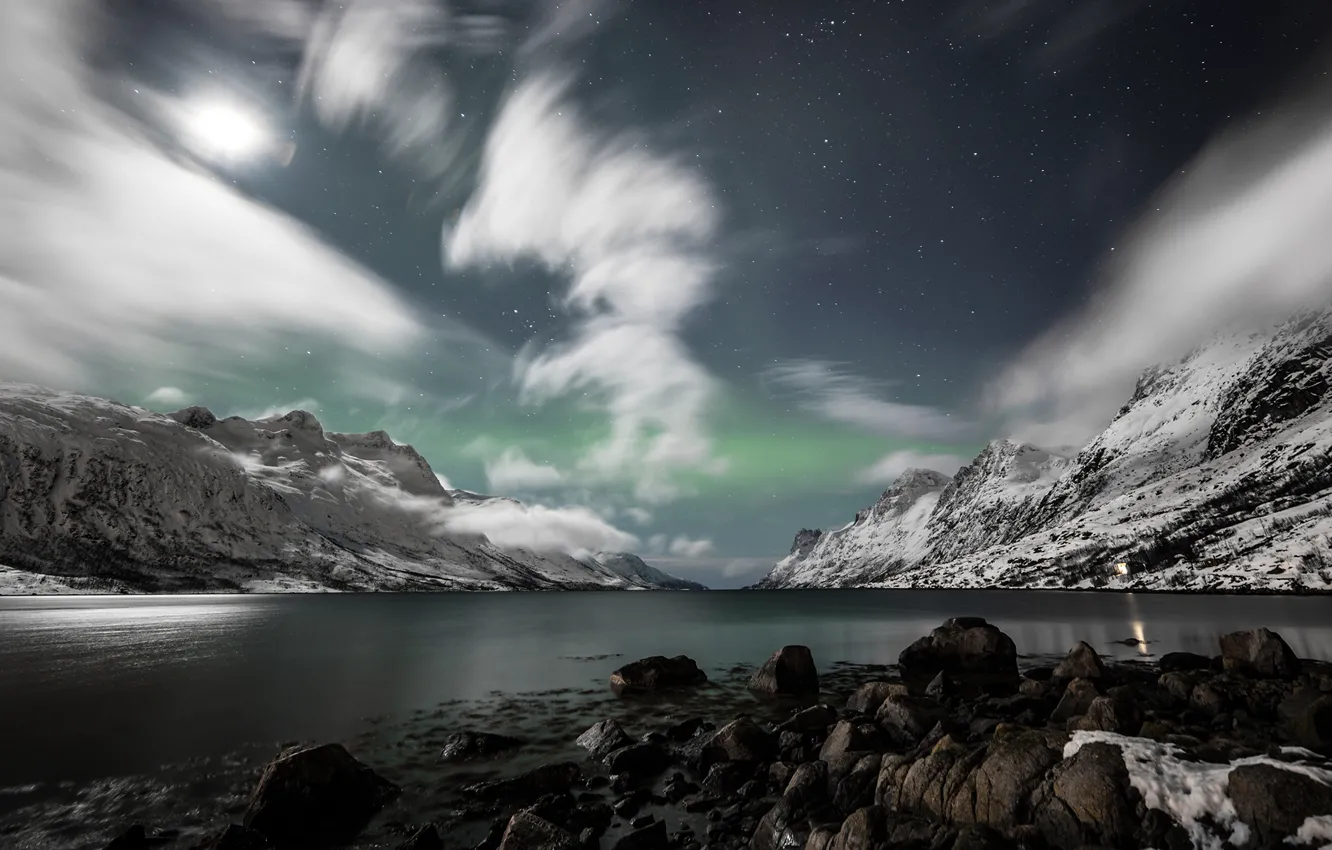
656,673
1116,713
528,787
466,746
869,696
1258,652
1078,697
1182,662
237,837
845,737
864,829
1082,662
786,825
318,795
1013,767
1306,717
789,672
1275,802
1178,684
1087,800
742,740
816,718
638,760
686,729
821,838
603,738
908,719
856,789
961,645
425,838
527,831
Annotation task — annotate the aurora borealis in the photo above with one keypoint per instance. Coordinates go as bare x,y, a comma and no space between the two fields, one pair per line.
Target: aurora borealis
717,271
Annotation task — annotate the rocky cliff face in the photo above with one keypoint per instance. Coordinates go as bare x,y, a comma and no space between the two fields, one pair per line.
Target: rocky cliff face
98,492
1216,474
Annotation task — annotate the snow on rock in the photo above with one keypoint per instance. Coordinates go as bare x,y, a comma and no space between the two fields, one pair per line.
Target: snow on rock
1196,793
97,496
1216,475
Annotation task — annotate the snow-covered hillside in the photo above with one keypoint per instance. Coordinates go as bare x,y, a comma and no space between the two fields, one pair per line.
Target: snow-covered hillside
98,496
1217,474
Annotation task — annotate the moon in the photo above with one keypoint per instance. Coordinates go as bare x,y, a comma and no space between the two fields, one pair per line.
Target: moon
227,131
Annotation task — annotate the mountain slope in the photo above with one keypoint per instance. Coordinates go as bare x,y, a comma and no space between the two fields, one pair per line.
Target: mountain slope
115,496
1217,474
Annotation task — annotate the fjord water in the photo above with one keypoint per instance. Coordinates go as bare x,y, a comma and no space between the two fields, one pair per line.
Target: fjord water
94,687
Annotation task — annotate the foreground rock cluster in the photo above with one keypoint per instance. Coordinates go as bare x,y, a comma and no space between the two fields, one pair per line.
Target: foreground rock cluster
955,749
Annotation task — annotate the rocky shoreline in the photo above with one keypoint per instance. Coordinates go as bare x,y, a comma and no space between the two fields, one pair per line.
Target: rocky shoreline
953,748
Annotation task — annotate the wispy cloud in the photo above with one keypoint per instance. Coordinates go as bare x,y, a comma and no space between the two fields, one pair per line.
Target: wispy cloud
254,414
115,253
886,469
684,547
513,471
836,394
1239,240
510,525
631,228
640,516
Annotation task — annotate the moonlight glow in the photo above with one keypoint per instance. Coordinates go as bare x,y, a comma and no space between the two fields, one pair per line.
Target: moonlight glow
226,131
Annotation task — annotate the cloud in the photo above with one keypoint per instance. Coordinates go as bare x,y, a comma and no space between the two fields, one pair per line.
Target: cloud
630,228
173,397
684,547
837,395
638,515
514,471
444,482
511,525
1238,241
114,253
254,414
886,469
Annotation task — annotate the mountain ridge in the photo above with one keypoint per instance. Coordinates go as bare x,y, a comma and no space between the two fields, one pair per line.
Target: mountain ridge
94,493
1215,475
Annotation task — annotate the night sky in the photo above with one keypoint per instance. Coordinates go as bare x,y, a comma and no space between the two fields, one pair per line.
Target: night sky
829,227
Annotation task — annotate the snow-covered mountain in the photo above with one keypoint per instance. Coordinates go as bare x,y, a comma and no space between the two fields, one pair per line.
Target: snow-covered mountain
100,495
1217,474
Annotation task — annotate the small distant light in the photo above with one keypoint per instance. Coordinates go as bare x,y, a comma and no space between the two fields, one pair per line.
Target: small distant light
1122,568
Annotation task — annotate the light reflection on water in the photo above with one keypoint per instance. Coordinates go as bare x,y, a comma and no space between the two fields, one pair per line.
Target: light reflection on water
100,686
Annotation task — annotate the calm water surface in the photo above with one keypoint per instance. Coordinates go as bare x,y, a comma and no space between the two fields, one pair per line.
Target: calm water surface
102,686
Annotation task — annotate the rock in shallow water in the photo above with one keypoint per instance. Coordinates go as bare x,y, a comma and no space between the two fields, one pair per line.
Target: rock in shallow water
1258,652
603,738
962,645
1082,662
789,672
526,831
656,673
317,795
465,746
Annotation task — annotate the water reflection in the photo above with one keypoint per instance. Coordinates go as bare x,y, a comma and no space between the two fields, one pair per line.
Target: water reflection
102,686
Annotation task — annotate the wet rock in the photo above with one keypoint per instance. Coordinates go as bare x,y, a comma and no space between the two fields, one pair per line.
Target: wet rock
724,778
908,719
528,787
1258,652
316,795
869,696
1117,713
1082,662
942,685
650,837
134,838
855,790
1078,697
962,645
787,824
822,837
1178,684
845,737
696,803
1306,717
638,760
939,786
467,746
1034,688
526,831
425,838
816,718
742,740
779,774
687,729
1180,662
1208,700
790,672
237,837
1088,800
1275,802
862,830
595,816
656,673
603,738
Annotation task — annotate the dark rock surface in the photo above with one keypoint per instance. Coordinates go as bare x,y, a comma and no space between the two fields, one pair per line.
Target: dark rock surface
656,673
465,746
790,671
316,795
1258,652
961,645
